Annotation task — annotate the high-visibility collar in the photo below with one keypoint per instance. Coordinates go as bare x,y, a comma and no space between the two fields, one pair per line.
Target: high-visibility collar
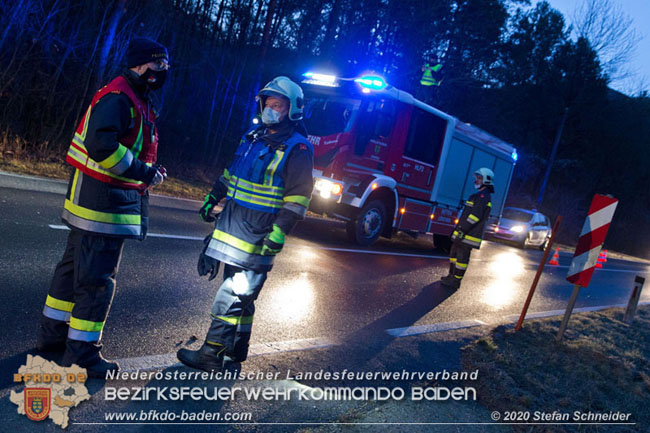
141,140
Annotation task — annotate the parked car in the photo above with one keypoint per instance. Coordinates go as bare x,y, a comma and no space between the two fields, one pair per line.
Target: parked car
521,226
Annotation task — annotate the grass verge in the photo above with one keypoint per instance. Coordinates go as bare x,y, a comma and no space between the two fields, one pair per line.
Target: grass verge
190,183
600,366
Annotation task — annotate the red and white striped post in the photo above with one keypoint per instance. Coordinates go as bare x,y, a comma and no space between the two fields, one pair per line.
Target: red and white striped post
588,249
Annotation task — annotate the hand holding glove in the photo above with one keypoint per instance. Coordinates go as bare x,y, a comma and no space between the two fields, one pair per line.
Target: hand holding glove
273,242
207,265
458,235
159,177
208,205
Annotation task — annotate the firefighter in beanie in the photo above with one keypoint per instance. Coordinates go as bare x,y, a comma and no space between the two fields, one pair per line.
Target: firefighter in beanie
267,189
468,233
113,154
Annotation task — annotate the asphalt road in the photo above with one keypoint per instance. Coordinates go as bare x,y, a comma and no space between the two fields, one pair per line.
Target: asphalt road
322,291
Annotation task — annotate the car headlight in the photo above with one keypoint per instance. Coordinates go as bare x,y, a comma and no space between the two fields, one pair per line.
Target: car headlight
327,188
517,229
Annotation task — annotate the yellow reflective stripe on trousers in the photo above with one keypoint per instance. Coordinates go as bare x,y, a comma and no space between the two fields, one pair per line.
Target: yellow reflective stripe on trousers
461,265
85,330
104,217
472,219
273,166
59,304
86,325
236,320
300,199
236,242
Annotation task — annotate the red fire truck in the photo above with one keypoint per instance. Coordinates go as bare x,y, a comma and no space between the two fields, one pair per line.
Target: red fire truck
385,161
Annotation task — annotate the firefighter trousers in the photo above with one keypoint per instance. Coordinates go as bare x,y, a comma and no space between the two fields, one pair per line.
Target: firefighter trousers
80,296
459,260
233,310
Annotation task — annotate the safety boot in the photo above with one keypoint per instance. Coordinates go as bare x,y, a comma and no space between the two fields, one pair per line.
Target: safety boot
451,282
101,367
96,368
208,358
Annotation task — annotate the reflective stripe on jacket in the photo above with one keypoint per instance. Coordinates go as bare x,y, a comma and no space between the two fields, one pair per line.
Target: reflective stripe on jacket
473,218
99,200
96,207
141,141
255,196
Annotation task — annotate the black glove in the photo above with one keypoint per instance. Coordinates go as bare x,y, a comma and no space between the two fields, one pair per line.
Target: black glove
207,265
208,204
457,236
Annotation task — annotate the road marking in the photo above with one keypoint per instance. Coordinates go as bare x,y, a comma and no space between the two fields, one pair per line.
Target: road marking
435,327
543,314
167,360
159,362
348,250
387,253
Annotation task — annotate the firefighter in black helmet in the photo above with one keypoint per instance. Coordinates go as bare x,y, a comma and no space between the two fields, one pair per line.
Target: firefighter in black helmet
468,233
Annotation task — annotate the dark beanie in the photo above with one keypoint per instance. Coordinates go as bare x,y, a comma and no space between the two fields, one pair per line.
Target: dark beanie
143,50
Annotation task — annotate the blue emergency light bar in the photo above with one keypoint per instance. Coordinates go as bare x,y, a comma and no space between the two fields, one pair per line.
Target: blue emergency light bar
320,79
371,82
514,155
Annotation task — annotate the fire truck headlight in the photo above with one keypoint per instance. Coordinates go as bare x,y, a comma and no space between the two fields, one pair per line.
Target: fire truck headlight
517,229
327,188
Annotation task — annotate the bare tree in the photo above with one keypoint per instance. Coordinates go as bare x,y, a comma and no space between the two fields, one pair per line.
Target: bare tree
610,32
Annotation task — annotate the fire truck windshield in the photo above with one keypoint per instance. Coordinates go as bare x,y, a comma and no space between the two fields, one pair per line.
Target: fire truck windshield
326,115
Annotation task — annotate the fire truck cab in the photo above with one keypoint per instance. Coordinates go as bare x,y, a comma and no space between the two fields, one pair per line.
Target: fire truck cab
385,161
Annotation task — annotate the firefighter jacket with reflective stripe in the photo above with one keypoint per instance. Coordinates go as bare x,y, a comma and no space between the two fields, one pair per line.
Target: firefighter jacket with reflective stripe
112,153
269,182
473,218
138,142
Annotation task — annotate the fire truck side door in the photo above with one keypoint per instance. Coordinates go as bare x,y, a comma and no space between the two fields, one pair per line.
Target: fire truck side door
416,168
373,131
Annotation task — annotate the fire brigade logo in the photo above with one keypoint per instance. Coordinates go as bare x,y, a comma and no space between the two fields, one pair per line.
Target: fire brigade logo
37,403
50,390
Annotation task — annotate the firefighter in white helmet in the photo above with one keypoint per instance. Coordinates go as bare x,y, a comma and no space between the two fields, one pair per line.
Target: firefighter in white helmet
468,233
267,189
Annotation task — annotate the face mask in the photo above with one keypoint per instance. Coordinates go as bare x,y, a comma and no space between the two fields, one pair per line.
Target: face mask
270,116
154,79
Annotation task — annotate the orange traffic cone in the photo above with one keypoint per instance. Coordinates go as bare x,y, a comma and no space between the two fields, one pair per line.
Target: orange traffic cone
601,260
556,256
604,253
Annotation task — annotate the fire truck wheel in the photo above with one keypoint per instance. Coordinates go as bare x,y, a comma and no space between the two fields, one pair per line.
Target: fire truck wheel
367,227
